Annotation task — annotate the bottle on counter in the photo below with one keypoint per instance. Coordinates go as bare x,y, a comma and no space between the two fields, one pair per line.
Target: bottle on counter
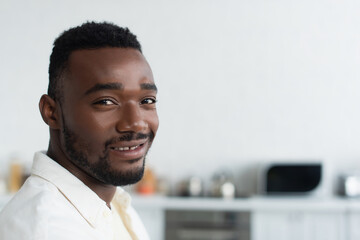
147,185
15,180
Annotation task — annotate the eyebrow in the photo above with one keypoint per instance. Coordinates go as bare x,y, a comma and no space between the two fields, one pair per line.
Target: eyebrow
117,86
148,86
104,86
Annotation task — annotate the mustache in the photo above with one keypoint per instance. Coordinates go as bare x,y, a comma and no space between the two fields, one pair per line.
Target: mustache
129,137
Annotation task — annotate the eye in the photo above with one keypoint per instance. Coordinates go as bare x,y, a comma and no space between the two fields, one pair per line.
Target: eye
148,101
104,102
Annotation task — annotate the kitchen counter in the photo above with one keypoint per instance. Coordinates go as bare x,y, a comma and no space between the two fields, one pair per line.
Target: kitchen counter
248,204
239,204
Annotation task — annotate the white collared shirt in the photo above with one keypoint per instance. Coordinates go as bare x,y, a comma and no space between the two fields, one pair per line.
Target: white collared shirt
55,205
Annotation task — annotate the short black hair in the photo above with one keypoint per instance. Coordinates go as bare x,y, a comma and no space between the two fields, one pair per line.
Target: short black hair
90,35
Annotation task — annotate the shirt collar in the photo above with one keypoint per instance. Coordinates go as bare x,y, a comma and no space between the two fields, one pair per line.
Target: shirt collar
87,202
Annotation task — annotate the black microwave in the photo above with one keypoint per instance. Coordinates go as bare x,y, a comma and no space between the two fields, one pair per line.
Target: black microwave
290,178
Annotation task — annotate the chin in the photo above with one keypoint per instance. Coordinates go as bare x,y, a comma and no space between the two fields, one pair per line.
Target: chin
129,177
125,175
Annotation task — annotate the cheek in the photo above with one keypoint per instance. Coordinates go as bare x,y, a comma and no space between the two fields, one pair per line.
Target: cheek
89,126
153,121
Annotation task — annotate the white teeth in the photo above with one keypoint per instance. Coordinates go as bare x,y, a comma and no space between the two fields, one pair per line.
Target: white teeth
126,148
133,148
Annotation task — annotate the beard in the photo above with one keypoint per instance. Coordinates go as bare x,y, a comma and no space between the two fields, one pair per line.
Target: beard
101,170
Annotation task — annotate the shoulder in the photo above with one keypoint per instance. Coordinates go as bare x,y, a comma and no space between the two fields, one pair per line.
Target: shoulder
32,210
34,194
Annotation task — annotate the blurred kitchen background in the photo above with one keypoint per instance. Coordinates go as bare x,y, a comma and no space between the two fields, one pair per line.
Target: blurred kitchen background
243,86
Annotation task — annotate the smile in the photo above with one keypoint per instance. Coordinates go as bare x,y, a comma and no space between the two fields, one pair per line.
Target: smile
126,151
126,148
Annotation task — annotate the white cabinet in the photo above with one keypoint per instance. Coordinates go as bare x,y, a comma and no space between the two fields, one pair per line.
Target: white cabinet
277,226
353,225
325,226
296,225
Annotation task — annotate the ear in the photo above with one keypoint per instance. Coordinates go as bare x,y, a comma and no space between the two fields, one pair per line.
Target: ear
49,111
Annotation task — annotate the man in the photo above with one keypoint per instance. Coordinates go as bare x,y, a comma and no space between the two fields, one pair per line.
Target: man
101,112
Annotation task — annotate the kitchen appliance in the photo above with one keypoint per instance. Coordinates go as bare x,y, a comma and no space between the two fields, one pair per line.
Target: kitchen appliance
207,225
290,178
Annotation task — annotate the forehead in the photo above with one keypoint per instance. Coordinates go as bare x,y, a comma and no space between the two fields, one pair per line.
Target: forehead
107,65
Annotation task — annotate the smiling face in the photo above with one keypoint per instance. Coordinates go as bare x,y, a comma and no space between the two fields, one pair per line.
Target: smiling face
108,113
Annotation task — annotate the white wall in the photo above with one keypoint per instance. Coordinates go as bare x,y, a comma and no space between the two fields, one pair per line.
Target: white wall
240,81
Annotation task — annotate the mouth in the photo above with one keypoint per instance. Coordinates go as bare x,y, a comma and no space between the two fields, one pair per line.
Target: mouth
129,148
128,151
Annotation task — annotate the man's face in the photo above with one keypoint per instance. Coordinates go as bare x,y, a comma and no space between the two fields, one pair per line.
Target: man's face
109,116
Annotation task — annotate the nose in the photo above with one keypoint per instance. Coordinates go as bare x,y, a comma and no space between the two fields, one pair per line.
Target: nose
131,119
